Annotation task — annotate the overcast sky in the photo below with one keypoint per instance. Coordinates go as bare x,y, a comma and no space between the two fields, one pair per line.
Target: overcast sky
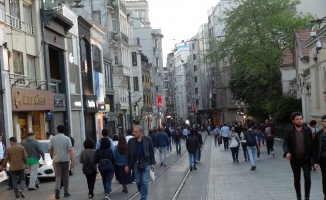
178,19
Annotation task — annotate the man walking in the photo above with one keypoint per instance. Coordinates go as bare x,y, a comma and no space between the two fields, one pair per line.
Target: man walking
185,132
200,140
162,143
252,144
34,153
216,133
225,133
16,156
105,134
60,149
140,156
297,147
192,145
319,152
177,140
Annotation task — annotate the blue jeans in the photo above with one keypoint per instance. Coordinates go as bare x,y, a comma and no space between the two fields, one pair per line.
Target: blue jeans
142,180
192,159
170,145
21,175
178,146
107,179
252,154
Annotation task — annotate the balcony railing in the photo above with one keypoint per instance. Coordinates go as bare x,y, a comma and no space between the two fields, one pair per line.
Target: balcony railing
17,24
18,80
124,38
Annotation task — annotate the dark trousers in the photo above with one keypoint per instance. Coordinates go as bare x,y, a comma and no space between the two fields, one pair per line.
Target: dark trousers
199,152
296,165
322,164
226,142
235,152
61,174
270,144
215,139
18,176
245,151
91,178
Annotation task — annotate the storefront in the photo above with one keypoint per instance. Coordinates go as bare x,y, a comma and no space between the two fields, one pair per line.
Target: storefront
31,109
90,110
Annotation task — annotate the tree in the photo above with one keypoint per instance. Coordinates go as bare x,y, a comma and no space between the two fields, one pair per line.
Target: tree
256,34
286,106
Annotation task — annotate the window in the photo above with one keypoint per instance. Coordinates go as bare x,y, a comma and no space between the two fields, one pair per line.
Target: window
108,76
156,43
195,68
116,58
136,84
193,46
196,90
197,102
166,84
97,16
14,8
194,56
28,14
31,70
114,25
140,14
18,62
157,62
97,59
195,79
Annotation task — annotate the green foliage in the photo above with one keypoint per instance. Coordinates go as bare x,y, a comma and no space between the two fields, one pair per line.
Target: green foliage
256,34
286,106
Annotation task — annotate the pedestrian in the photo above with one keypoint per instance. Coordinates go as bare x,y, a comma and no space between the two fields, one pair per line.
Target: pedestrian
200,140
244,144
177,140
89,166
297,147
225,133
312,126
60,149
140,157
234,145
168,132
260,138
2,149
119,157
192,145
269,140
252,143
216,133
16,156
153,136
34,153
103,154
162,143
129,134
105,134
185,133
319,152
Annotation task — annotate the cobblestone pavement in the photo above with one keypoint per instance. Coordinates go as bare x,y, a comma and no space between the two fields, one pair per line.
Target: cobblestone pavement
272,180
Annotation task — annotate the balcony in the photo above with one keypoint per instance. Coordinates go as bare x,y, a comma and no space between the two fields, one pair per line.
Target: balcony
19,25
18,80
124,38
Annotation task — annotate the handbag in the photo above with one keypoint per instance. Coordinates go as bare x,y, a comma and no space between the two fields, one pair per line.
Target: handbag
152,175
142,163
3,176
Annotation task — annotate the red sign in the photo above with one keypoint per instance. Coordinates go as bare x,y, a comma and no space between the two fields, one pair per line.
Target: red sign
159,100
193,108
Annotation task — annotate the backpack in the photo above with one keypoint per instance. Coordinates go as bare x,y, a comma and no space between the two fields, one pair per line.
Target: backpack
105,165
250,138
88,166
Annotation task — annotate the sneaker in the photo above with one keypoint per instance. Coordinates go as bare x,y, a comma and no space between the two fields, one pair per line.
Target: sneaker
273,155
190,168
21,193
67,195
32,189
37,186
90,196
195,168
57,194
107,197
237,160
253,168
17,196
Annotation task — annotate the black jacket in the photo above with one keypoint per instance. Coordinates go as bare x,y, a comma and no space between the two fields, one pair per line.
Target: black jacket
289,142
131,152
104,153
192,144
317,147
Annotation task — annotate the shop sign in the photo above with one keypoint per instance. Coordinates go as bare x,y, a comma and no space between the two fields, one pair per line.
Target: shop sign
107,107
101,107
30,99
59,103
90,103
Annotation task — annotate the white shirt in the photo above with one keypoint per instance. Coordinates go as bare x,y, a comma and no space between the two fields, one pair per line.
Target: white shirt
128,137
1,151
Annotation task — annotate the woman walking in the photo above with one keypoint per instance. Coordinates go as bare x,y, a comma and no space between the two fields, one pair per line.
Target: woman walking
269,140
104,155
243,144
234,145
119,156
89,166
